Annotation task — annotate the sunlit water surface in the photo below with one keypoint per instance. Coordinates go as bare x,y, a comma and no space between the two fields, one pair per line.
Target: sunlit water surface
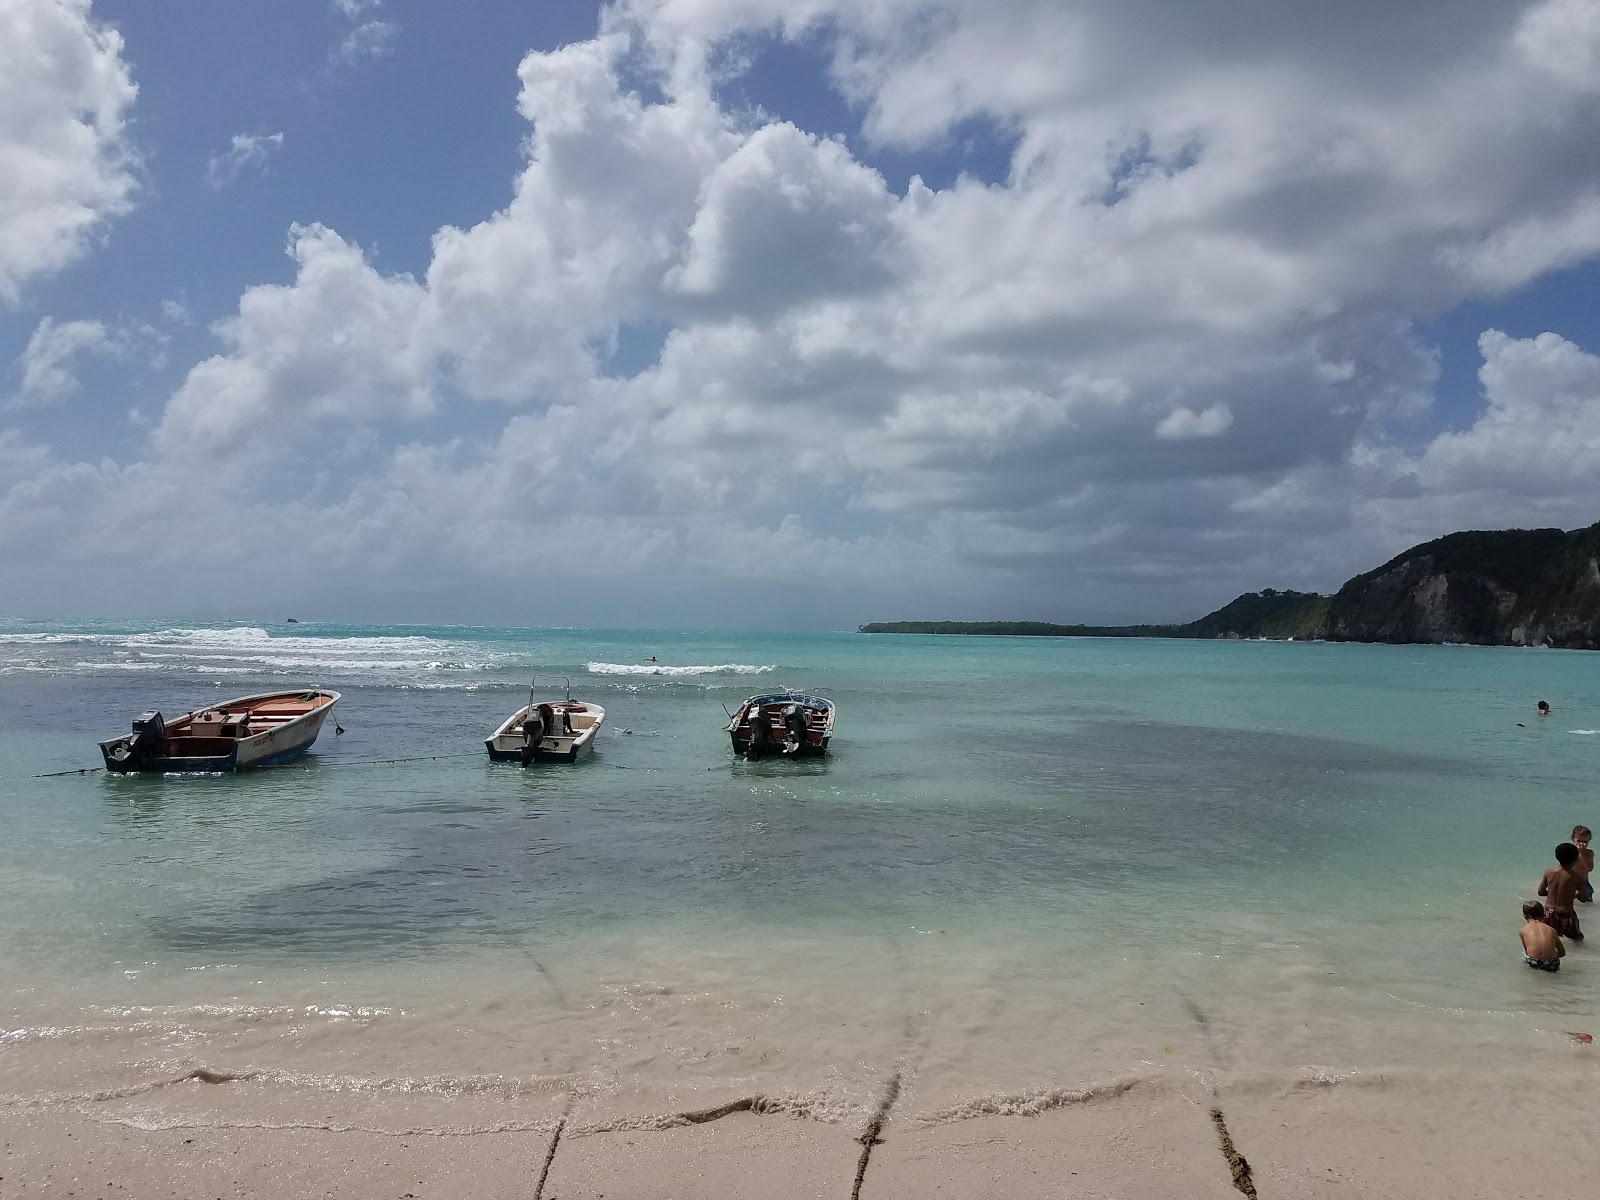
1026,864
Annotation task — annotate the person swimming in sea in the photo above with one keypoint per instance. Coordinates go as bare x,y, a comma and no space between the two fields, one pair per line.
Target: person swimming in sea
1544,708
1541,946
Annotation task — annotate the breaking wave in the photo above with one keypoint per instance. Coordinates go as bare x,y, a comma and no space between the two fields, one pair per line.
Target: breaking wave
248,650
600,668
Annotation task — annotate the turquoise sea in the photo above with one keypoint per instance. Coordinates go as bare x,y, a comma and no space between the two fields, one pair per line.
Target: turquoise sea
1027,865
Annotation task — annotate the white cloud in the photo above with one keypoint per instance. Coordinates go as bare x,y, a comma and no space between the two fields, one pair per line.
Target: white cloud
66,166
45,366
1563,37
1539,435
1183,423
785,205
246,152
307,363
369,35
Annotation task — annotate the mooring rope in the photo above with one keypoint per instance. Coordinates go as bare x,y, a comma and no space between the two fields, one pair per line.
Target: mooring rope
367,762
360,762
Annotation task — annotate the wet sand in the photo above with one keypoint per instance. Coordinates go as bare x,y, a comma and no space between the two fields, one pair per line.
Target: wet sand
1339,1141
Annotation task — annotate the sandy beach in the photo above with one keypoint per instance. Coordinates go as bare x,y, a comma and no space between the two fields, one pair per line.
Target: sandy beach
1368,1139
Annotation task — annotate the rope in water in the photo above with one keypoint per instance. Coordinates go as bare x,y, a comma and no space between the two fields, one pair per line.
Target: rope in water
322,762
367,762
360,762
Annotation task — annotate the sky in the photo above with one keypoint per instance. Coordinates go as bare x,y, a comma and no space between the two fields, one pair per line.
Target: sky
740,314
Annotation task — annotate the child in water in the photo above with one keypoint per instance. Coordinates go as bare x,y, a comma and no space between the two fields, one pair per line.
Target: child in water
1560,885
1580,838
1541,946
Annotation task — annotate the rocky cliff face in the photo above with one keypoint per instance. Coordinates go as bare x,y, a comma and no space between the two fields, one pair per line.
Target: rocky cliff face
1518,587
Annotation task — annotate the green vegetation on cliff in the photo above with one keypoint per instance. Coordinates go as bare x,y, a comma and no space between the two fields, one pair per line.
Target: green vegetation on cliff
1489,587
1266,613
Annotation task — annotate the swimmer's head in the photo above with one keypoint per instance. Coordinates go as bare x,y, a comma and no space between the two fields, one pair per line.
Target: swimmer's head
1544,707
1566,854
1533,910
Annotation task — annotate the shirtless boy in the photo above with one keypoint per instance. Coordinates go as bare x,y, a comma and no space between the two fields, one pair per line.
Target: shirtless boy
1560,885
1580,838
1541,946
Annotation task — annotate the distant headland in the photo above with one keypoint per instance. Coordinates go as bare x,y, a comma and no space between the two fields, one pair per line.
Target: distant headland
1508,587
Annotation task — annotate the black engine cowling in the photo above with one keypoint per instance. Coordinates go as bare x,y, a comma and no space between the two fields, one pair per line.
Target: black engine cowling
794,725
149,732
533,730
760,733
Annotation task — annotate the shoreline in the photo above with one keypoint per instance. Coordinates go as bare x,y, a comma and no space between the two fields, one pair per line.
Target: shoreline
1375,1138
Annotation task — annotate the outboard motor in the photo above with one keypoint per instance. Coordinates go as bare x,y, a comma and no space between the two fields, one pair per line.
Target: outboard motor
149,731
533,729
794,724
760,733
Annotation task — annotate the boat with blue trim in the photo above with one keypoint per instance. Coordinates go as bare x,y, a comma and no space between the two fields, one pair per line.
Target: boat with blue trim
782,723
247,731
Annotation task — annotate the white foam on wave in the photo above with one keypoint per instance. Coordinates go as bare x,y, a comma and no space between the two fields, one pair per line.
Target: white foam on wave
600,668
322,660
252,638
55,639
249,650
1585,732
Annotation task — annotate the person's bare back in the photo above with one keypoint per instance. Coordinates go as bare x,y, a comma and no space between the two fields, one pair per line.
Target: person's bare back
1540,941
1560,887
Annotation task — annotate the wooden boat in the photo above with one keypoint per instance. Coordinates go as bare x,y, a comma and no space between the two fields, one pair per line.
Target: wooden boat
546,731
782,723
250,731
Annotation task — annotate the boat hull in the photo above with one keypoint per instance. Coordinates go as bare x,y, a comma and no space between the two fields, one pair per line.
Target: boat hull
213,755
741,747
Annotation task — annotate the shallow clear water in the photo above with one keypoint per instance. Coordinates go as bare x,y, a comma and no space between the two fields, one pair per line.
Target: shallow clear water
1026,863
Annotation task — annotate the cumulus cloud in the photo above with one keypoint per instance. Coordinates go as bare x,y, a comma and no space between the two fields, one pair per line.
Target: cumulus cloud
787,206
1166,356
308,361
66,165
247,152
1539,435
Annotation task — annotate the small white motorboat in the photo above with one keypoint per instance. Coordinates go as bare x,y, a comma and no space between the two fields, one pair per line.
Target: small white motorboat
249,731
547,731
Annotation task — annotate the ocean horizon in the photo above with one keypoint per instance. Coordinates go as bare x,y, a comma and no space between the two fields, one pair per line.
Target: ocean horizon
1026,866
